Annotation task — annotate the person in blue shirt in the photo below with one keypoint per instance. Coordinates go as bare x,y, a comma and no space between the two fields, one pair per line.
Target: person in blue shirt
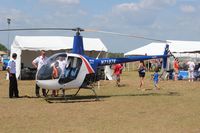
13,86
156,78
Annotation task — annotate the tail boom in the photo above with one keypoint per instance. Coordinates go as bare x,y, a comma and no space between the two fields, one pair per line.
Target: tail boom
111,61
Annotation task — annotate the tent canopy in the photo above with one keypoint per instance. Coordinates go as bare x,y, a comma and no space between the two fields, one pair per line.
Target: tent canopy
35,43
27,47
155,48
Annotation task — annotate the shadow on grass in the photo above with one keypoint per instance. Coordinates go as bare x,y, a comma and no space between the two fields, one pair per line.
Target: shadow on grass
150,94
74,99
92,98
24,96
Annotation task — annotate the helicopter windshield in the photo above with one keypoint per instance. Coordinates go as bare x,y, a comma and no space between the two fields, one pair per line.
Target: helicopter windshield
54,67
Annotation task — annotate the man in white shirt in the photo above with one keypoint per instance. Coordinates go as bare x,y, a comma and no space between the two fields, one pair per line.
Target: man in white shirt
38,63
62,65
191,67
13,86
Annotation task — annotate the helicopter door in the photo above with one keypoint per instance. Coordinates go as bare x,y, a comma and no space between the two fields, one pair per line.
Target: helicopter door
72,69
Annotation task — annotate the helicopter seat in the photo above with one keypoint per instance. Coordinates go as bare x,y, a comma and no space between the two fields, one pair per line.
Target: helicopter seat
70,74
67,72
74,73
66,76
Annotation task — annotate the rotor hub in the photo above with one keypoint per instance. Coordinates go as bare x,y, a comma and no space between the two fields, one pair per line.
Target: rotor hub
78,30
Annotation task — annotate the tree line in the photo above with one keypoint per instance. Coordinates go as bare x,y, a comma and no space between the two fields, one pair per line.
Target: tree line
2,47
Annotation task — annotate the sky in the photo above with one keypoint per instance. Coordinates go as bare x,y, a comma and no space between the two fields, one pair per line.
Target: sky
158,19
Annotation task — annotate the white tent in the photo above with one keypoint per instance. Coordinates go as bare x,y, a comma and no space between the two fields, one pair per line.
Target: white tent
174,46
26,46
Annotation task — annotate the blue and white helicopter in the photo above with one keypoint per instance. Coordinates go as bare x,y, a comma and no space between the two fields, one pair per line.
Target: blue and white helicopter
80,71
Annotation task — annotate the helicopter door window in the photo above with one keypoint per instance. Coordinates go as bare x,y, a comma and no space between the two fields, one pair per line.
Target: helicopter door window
76,64
72,69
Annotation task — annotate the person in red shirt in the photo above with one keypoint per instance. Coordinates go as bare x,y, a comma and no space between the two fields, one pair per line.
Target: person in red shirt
117,72
176,67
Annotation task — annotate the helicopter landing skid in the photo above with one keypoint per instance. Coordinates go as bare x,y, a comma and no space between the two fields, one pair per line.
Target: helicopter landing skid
68,98
93,90
90,88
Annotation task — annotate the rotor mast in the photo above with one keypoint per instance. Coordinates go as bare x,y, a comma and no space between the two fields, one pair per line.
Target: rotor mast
78,42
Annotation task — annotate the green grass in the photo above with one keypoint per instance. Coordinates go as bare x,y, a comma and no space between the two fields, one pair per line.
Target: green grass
173,109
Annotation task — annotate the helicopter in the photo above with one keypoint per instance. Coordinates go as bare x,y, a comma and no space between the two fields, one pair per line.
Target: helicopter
80,71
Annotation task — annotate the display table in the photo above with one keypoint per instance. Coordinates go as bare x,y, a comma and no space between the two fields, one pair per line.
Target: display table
183,75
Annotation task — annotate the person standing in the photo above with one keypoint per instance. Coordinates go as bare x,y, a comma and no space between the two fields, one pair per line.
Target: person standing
117,72
176,67
156,78
141,71
11,68
38,63
58,71
62,65
191,67
55,75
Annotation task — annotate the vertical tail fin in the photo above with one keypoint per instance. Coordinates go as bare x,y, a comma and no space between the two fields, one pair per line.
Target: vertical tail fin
165,56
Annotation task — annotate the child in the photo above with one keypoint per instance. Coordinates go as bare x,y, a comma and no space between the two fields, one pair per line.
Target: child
156,78
117,72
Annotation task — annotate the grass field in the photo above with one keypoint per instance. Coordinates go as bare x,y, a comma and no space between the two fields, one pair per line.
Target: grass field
173,109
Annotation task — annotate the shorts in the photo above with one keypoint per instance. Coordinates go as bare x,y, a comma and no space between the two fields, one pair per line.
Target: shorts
141,74
176,71
155,82
116,77
191,74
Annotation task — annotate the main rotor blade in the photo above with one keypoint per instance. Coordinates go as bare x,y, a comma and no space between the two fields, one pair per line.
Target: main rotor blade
34,29
87,30
128,35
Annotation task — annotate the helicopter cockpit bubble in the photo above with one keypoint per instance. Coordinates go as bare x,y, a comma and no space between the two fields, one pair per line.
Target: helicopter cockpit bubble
46,71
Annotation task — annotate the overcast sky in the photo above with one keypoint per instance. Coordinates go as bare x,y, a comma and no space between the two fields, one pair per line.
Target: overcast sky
159,19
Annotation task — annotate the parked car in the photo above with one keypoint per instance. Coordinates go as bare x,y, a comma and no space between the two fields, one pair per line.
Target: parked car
6,58
28,73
